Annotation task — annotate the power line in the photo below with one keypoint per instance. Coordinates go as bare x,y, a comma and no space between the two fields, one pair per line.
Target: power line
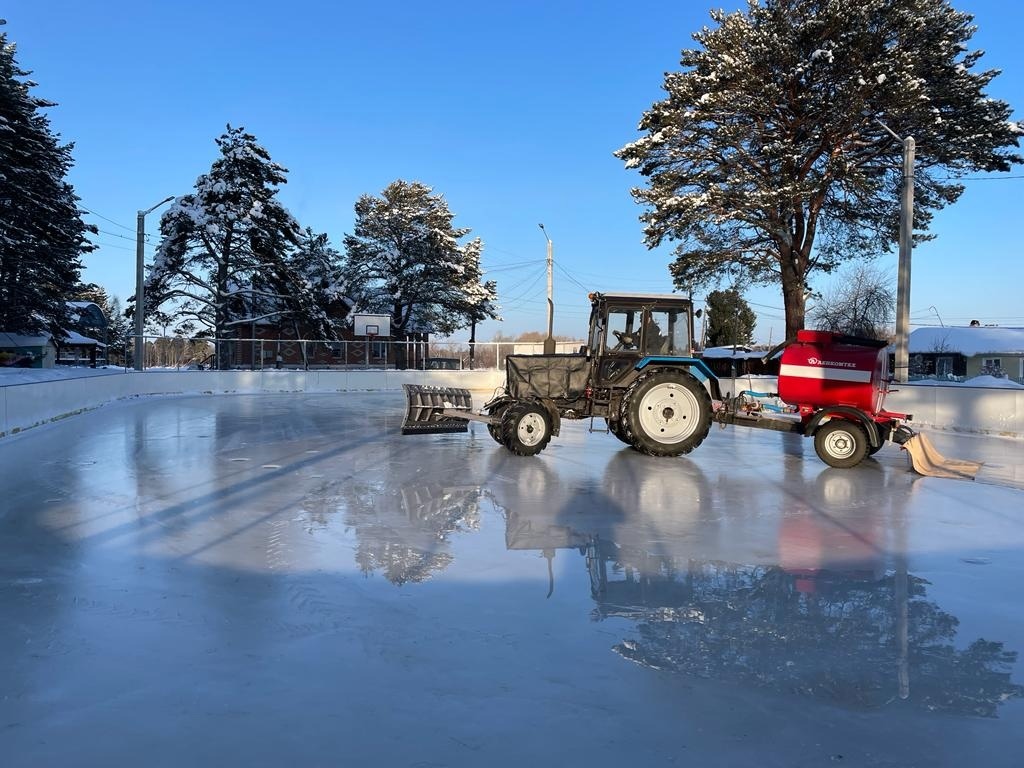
979,178
100,215
573,279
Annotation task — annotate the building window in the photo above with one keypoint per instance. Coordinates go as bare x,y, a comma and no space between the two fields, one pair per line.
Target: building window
992,366
944,367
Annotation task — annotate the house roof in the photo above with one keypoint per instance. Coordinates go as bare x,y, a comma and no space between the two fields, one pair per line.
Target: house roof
9,340
14,340
968,341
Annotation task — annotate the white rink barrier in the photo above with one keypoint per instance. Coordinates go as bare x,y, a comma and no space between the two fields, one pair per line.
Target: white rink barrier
23,406
980,410
962,409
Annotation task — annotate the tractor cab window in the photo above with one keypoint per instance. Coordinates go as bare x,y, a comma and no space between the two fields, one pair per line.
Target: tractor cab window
622,331
667,332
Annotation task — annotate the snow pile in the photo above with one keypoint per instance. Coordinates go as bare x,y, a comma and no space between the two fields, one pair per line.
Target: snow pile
9,376
988,382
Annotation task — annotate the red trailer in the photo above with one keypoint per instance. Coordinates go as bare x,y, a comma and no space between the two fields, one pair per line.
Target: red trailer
836,385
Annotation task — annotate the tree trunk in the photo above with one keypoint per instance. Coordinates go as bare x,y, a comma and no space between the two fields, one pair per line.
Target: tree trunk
792,290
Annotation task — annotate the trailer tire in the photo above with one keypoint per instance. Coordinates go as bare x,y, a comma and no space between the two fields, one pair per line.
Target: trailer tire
841,443
666,412
526,428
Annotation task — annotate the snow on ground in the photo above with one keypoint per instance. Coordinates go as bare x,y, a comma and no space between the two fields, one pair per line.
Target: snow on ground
991,382
9,376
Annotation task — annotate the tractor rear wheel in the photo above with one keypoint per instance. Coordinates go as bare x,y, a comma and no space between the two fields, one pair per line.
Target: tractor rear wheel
841,443
526,428
666,412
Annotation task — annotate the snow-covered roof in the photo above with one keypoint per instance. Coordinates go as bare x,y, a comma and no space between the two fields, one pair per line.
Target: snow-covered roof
81,304
8,340
73,337
968,341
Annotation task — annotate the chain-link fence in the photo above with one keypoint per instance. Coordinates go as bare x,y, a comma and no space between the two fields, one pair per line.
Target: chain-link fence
320,354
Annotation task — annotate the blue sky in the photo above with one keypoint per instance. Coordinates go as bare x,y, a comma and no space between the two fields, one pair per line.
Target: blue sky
511,110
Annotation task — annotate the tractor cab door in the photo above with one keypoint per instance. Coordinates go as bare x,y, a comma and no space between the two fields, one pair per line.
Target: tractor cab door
620,344
666,333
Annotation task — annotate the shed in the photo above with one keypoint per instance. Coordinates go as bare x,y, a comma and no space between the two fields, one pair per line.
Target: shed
27,351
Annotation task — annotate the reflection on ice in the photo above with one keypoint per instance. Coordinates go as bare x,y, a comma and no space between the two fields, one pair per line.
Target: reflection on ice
832,614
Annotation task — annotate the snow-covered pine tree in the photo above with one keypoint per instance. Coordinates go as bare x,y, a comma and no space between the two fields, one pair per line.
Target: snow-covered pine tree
314,289
224,246
42,235
767,152
405,260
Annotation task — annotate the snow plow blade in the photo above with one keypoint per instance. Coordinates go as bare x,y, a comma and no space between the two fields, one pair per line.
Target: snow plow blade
929,462
435,410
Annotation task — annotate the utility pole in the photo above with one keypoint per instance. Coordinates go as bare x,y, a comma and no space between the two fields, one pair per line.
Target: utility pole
901,374
140,280
549,342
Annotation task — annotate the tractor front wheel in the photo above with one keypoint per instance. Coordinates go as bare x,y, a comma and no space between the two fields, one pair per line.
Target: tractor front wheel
615,427
841,443
526,428
666,412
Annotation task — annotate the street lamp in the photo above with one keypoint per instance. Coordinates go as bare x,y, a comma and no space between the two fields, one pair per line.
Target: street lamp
549,342
901,373
140,268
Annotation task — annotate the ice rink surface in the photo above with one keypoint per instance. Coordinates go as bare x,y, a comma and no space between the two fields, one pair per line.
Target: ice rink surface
270,580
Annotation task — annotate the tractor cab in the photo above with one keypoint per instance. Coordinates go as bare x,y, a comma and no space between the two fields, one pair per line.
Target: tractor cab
626,328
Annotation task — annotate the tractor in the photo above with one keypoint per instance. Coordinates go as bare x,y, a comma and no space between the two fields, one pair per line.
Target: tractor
637,372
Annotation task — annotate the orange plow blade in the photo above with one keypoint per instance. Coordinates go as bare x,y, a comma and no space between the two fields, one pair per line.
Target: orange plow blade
929,462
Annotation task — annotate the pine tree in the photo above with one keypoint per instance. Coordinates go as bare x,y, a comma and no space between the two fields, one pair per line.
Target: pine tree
119,332
224,246
730,319
768,154
313,287
42,235
406,260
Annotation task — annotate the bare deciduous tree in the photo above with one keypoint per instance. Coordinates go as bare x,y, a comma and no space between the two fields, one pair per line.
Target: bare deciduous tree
860,303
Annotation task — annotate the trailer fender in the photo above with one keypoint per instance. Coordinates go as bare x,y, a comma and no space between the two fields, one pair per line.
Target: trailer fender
845,412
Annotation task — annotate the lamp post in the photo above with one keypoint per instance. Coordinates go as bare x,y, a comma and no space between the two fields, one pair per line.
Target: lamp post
140,270
902,368
549,342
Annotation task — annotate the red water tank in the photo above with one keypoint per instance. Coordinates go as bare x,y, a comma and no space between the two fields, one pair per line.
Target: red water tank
821,369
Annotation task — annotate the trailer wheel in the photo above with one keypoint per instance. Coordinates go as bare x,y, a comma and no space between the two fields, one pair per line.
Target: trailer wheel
841,443
666,413
526,429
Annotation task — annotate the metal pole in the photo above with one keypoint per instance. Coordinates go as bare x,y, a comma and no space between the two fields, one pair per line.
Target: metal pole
140,287
549,342
140,267
903,278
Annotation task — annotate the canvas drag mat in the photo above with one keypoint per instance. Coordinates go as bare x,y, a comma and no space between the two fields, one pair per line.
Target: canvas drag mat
928,461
